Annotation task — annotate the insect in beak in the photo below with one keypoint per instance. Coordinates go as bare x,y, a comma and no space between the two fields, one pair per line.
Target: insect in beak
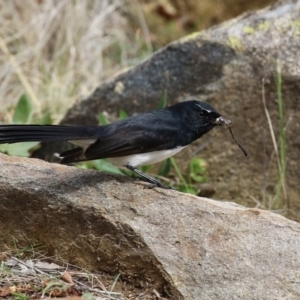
224,122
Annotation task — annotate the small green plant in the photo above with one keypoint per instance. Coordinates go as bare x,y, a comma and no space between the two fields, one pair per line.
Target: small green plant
4,270
23,114
122,114
88,296
27,251
20,296
163,100
197,169
102,165
115,282
165,167
102,120
23,110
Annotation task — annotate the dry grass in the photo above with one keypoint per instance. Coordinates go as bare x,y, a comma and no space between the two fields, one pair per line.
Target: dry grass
58,51
40,277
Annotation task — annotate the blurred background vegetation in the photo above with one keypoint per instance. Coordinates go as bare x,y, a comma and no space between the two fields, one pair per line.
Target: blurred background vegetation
59,51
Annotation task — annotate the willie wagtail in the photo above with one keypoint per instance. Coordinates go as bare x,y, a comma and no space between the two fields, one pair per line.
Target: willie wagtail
139,140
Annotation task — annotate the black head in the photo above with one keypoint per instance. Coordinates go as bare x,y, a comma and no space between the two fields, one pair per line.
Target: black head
202,117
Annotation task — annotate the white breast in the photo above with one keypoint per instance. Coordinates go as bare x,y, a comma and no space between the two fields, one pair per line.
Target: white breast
136,160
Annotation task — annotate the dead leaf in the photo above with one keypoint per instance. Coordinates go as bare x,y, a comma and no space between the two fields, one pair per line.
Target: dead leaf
4,291
46,266
12,289
3,256
73,292
58,293
66,276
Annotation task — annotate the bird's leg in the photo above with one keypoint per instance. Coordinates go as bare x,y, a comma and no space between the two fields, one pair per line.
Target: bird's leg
153,182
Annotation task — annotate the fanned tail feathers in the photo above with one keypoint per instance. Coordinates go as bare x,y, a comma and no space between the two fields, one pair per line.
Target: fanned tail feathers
81,135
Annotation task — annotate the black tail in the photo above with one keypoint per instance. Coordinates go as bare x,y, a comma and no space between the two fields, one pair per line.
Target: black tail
40,133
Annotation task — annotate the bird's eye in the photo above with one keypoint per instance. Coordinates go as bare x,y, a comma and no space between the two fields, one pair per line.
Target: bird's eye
201,113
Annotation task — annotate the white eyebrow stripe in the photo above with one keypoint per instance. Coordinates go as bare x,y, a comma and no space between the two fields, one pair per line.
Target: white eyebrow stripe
209,111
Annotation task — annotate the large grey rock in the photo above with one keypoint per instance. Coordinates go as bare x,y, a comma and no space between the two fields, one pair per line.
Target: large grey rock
225,66
186,247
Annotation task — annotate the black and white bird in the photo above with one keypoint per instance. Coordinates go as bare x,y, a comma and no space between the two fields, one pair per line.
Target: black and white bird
139,140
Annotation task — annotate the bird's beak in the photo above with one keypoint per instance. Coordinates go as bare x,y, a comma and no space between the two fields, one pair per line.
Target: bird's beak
222,121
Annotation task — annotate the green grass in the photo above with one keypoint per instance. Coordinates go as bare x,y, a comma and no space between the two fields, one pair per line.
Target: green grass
279,199
282,159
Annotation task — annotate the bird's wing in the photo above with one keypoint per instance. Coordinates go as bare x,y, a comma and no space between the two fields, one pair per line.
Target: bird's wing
132,140
124,139
139,134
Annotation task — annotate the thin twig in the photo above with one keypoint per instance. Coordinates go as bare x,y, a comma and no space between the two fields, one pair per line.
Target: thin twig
28,266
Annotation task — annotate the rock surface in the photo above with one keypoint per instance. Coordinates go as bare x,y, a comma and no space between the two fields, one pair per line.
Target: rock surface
224,66
186,247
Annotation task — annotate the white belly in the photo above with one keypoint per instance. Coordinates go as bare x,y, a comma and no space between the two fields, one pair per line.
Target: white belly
136,160
83,143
